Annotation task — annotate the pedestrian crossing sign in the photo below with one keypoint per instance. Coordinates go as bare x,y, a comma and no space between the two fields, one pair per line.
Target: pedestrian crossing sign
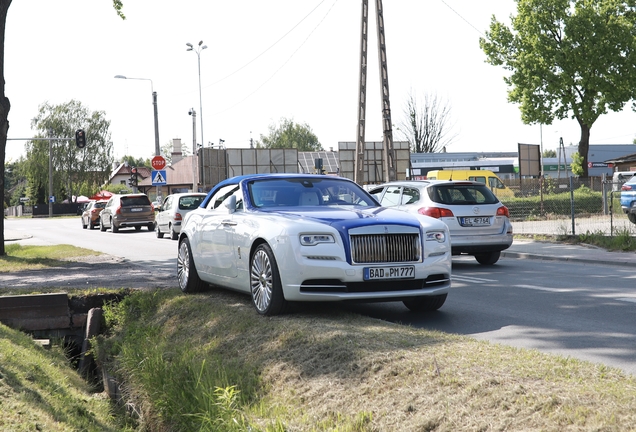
159,177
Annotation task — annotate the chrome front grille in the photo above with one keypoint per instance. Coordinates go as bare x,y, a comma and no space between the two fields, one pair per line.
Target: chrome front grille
385,248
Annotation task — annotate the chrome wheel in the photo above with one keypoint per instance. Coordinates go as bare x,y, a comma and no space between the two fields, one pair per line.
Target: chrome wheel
183,266
187,275
261,281
265,283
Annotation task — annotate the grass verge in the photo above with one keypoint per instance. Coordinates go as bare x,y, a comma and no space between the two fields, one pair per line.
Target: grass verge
39,391
21,258
623,240
209,362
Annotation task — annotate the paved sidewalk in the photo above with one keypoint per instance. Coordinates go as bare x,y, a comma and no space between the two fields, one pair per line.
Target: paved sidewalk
532,249
12,235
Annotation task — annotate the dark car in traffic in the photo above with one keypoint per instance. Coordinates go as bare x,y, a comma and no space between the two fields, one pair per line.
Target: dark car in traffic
127,211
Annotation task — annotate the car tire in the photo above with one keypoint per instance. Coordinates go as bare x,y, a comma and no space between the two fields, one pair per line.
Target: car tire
425,303
83,224
113,227
488,258
632,217
158,232
265,284
187,274
151,226
173,235
102,228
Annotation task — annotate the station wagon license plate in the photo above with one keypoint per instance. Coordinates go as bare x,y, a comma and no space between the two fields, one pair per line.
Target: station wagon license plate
474,221
136,209
395,272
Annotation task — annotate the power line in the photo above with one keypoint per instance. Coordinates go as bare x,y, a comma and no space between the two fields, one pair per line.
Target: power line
465,20
268,48
283,65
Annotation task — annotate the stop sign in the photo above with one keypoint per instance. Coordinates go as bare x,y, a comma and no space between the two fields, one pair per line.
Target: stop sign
158,163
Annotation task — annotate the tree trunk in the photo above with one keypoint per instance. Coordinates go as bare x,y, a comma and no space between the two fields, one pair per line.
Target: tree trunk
5,106
584,146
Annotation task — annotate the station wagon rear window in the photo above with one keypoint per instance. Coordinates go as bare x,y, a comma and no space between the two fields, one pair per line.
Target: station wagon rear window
462,194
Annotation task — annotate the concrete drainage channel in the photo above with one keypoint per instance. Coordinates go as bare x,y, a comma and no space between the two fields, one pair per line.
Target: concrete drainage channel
72,320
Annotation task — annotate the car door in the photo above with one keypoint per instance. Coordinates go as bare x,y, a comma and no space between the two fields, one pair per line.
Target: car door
214,245
163,217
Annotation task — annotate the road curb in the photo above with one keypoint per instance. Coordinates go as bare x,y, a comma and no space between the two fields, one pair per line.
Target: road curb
523,255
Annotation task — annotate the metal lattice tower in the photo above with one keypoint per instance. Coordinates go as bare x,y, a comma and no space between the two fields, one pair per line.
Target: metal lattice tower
388,151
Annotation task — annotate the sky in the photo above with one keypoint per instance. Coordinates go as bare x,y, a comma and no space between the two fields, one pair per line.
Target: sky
265,61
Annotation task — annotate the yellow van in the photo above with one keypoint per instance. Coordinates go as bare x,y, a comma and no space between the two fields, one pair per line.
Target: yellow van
483,176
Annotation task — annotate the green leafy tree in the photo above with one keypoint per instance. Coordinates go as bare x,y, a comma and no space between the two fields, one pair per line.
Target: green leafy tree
5,105
549,153
577,164
567,59
139,162
427,124
290,135
75,171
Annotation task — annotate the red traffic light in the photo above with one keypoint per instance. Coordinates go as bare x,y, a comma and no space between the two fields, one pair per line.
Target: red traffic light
80,138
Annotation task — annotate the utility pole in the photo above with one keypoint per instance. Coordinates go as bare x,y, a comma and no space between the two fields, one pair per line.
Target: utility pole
389,169
388,150
358,176
195,168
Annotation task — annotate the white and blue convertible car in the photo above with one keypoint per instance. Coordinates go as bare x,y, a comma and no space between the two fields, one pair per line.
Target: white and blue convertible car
300,237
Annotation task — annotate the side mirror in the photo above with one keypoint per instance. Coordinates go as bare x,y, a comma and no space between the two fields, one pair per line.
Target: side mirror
230,204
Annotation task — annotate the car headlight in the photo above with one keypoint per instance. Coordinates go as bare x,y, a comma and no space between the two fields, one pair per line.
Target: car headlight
438,236
314,239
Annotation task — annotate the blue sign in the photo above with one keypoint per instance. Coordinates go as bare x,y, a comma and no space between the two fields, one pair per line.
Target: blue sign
159,177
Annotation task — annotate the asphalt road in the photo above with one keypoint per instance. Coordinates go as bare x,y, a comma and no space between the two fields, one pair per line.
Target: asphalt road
582,310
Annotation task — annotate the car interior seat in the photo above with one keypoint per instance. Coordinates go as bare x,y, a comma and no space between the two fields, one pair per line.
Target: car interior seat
308,199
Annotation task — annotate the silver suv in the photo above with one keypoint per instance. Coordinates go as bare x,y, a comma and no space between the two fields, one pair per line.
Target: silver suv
478,222
124,211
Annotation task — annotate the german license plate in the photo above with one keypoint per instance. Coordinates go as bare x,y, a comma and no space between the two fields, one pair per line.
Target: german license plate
475,221
135,209
395,272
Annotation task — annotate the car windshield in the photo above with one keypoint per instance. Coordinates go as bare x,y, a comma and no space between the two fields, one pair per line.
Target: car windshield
462,194
298,192
135,201
101,204
190,202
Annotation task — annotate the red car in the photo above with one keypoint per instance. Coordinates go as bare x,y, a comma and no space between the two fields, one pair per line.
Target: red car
90,216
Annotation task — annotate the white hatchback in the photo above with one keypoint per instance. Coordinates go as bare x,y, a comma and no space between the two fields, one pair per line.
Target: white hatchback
173,211
478,222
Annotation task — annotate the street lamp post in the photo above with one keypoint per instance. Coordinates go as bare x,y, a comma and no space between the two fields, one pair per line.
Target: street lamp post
195,170
154,104
200,47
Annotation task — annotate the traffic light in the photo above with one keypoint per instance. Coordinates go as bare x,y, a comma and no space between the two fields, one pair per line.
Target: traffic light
134,180
80,138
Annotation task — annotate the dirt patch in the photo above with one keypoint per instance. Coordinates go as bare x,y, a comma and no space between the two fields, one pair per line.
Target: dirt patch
93,271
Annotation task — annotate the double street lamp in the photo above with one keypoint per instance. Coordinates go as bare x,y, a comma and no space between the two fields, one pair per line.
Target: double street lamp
200,47
154,103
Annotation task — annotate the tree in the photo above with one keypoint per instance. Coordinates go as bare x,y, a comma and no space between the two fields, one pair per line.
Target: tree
551,153
567,59
426,126
75,171
140,162
168,148
577,164
5,105
290,135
